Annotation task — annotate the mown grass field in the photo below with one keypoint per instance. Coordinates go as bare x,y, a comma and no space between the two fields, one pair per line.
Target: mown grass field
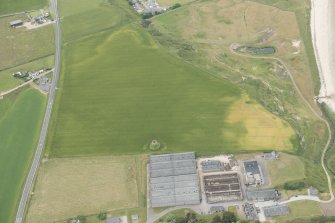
89,17
12,6
20,120
85,185
286,168
20,46
7,81
116,103
301,210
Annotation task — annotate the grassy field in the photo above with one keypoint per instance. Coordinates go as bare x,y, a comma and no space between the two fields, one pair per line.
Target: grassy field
20,46
20,119
7,81
172,2
208,28
89,17
11,6
88,185
157,97
281,170
301,210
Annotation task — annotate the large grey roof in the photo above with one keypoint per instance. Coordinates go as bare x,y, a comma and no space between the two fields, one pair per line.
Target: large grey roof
173,180
15,22
251,166
276,210
266,194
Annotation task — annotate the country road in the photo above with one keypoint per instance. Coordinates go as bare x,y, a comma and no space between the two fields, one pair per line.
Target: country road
36,160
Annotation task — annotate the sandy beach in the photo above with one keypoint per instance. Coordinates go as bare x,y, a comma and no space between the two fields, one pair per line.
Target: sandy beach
323,35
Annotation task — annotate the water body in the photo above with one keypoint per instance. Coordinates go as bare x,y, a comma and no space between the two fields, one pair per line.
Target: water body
264,50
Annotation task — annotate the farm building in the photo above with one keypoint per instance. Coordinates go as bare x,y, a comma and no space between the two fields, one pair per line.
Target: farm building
173,180
276,210
114,220
271,156
313,191
134,218
253,172
212,166
222,187
263,195
16,23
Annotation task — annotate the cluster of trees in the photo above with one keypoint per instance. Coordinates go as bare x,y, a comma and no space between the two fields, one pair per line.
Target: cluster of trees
188,218
177,5
224,217
321,219
81,218
295,185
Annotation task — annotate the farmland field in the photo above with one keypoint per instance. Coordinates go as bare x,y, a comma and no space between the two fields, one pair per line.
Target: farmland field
20,46
20,119
281,170
90,16
301,210
116,103
83,186
11,6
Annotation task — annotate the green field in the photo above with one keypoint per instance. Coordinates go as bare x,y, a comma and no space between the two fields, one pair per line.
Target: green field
120,90
89,17
20,46
11,6
20,119
301,210
281,170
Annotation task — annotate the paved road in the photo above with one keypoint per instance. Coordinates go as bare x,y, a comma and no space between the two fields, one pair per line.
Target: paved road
325,149
32,172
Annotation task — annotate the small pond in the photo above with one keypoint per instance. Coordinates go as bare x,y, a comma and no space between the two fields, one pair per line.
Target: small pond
255,50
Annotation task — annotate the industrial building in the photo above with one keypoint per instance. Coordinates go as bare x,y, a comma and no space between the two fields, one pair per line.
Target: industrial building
173,180
276,210
213,166
263,195
222,187
253,174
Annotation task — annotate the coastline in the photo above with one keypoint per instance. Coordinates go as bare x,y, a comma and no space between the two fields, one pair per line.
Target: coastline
323,37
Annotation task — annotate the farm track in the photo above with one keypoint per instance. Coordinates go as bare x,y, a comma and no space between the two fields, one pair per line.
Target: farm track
327,146
36,160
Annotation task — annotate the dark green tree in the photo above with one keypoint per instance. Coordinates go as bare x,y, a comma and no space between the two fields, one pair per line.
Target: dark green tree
102,216
228,217
216,219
